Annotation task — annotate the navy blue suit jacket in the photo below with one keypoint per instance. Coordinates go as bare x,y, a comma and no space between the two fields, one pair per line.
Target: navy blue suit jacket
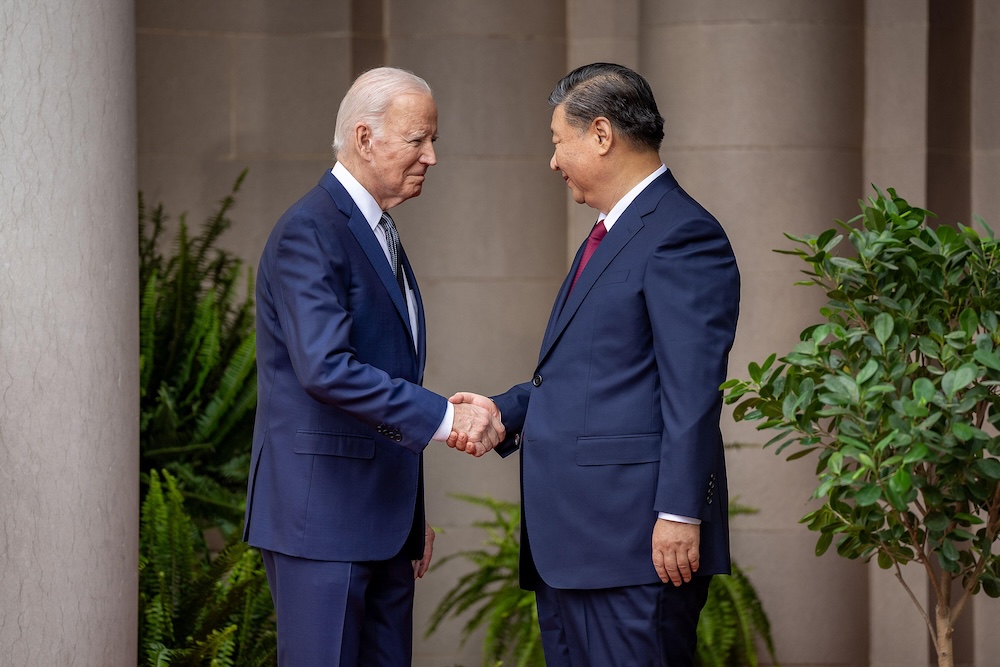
342,420
621,418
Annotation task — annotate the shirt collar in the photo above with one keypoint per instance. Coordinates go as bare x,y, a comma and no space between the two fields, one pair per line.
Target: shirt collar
616,211
362,198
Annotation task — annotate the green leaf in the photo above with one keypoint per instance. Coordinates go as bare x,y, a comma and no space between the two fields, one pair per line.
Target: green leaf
923,390
883,327
867,371
989,468
969,321
900,482
936,521
868,495
823,543
988,358
884,560
954,381
802,452
962,431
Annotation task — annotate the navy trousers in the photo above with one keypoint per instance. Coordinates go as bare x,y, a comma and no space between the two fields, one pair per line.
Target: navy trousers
653,625
337,614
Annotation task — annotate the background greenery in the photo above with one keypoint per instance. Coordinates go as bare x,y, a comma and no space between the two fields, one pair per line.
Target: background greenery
198,394
896,395
198,378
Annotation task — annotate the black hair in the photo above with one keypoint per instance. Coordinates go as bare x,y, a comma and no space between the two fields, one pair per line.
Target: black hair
615,92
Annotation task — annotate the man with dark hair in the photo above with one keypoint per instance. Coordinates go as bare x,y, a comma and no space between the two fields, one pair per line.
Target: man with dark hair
335,498
624,492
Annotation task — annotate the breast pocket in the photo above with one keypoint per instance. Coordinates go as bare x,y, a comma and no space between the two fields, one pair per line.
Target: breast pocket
612,277
348,445
617,450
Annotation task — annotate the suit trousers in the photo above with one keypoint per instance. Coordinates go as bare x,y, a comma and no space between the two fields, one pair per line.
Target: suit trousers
342,614
652,625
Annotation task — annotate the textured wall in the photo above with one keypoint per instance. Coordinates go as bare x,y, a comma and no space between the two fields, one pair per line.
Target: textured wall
68,334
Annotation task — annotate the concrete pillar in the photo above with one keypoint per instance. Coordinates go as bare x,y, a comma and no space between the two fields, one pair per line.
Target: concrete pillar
895,155
486,237
597,31
986,203
764,105
68,334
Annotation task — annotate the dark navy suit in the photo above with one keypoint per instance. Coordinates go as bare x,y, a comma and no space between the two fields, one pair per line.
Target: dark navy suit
621,418
336,472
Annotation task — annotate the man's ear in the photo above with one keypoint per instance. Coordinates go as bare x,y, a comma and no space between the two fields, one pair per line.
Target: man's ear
602,133
363,141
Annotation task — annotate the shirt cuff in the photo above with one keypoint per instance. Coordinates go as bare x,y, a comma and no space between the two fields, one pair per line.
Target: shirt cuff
444,430
678,519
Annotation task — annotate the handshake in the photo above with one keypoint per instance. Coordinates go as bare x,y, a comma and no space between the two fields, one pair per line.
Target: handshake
477,428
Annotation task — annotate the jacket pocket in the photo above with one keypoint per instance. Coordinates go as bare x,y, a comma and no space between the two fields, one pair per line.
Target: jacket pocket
610,277
334,444
617,450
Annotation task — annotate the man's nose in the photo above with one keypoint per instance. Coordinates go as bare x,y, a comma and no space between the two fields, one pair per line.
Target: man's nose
552,163
429,157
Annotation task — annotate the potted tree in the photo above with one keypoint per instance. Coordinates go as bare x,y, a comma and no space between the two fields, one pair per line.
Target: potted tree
895,393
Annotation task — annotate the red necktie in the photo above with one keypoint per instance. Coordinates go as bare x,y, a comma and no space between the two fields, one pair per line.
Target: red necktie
596,236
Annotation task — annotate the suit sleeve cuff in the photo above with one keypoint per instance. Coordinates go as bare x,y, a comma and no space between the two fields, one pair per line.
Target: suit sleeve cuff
444,429
678,519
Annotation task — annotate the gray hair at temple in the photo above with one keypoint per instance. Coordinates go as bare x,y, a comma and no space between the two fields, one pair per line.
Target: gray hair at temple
616,93
369,97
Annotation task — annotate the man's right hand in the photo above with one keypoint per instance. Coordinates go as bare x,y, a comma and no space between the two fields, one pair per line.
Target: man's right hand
477,427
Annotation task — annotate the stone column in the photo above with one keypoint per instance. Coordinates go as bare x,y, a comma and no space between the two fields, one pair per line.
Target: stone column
487,238
68,334
597,31
986,204
895,155
764,105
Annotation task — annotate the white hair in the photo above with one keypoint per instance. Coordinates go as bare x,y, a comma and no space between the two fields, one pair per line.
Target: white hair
370,96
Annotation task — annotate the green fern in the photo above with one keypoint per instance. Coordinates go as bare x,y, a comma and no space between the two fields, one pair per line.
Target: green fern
731,622
198,377
196,610
506,612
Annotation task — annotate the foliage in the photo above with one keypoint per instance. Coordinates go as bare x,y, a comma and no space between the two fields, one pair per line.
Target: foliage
506,611
733,618
897,394
198,382
194,610
731,621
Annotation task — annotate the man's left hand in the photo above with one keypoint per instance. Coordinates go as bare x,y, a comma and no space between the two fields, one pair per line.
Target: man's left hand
421,566
675,550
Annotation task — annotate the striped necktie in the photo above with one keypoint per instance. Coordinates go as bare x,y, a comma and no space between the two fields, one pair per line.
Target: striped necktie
395,256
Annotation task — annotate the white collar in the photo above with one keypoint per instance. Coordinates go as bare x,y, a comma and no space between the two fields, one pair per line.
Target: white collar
362,198
616,211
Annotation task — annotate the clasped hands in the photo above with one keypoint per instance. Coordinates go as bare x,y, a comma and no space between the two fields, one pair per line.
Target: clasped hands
477,427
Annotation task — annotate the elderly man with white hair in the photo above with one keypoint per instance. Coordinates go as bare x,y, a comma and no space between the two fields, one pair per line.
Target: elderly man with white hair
335,494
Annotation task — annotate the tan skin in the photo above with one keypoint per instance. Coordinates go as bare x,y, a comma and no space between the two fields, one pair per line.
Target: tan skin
392,164
600,167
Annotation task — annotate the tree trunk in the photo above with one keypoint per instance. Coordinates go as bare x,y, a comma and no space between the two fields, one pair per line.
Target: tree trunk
942,624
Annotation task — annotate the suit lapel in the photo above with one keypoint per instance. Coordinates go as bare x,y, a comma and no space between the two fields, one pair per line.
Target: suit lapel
366,238
627,226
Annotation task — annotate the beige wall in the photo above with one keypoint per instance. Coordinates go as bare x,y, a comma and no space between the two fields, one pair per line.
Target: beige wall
779,115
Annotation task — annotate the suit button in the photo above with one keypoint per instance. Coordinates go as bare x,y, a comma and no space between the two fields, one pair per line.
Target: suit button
517,439
398,437
537,380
